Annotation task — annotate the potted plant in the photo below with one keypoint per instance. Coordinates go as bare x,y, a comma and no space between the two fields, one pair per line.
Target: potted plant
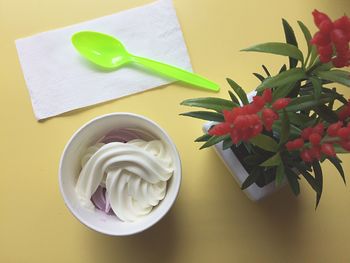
294,120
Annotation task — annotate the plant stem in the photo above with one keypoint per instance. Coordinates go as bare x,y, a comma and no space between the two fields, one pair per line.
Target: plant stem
330,139
313,67
306,60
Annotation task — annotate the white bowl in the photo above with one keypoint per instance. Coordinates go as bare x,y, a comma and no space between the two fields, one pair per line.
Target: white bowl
69,170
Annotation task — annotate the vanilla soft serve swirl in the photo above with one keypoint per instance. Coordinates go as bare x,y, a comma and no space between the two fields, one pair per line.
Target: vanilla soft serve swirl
135,175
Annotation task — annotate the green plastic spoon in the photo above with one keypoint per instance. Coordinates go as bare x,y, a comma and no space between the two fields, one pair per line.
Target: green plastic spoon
108,52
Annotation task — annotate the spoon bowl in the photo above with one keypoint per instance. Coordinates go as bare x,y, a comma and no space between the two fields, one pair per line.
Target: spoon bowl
103,50
108,52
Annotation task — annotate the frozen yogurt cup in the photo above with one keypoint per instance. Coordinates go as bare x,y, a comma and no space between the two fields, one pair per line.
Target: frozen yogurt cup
70,167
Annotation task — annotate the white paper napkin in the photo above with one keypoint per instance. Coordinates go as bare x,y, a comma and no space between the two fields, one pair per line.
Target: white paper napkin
60,80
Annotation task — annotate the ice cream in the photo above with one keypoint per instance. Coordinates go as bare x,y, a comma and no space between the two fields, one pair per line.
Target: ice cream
134,175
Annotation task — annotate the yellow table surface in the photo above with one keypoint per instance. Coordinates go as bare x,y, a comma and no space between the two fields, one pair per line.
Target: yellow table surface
212,220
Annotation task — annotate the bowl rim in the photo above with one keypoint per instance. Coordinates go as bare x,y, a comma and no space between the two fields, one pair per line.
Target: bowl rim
87,124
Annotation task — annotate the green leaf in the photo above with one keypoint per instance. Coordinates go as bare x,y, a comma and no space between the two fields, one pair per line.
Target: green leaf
299,119
303,106
336,95
336,162
323,67
325,113
203,138
258,76
284,78
313,56
339,76
282,91
213,140
272,161
278,49
265,142
311,49
308,98
283,68
254,159
294,131
309,178
339,149
266,70
289,33
253,176
296,90
331,104
308,84
279,174
239,91
248,147
319,180
290,39
317,85
293,181
216,104
227,143
285,125
233,97
307,35
301,99
307,102
205,115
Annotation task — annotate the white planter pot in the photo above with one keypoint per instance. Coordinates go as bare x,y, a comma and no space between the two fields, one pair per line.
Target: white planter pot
239,173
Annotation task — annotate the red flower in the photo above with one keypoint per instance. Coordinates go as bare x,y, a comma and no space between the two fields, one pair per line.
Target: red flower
325,53
344,111
319,17
343,23
251,109
306,156
344,133
320,143
269,117
328,149
295,144
345,145
235,136
331,35
220,129
259,102
281,103
326,26
321,39
290,146
315,138
339,37
246,122
240,124
225,127
298,143
319,128
340,62
230,115
246,127
333,128
235,113
315,152
325,59
242,121
267,95
305,133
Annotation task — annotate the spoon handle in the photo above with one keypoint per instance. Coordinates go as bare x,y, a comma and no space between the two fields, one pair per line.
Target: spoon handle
176,73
